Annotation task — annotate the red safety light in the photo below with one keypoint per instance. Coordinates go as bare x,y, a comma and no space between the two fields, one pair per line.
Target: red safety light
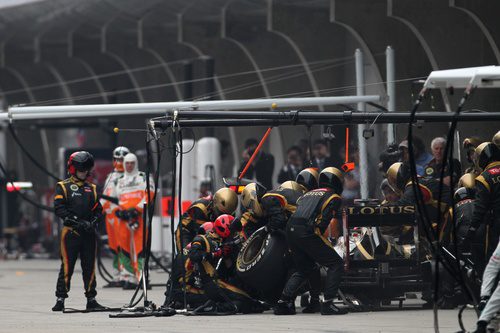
16,186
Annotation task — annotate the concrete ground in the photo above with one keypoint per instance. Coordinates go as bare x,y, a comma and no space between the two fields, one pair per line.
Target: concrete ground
27,295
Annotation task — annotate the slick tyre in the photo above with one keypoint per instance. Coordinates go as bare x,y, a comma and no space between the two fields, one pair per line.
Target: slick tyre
262,264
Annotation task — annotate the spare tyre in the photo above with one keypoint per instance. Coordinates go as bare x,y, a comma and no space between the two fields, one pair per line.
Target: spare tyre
262,263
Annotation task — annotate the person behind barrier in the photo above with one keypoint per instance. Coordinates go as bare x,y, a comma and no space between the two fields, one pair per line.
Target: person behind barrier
207,209
304,232
204,254
77,204
293,166
487,189
489,304
131,191
111,219
262,167
434,167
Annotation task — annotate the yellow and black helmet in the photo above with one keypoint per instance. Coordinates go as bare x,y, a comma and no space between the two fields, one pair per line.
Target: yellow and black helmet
486,153
468,180
471,142
225,201
496,139
398,176
292,185
308,178
250,198
465,190
331,178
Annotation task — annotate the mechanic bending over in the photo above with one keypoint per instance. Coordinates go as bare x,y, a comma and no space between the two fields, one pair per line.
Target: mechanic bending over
304,232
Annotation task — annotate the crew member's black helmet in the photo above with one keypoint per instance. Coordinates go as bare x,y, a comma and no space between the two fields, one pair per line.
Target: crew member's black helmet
308,178
331,178
80,161
398,176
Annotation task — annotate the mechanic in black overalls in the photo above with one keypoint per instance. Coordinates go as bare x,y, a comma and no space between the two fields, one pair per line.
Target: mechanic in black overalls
77,204
304,232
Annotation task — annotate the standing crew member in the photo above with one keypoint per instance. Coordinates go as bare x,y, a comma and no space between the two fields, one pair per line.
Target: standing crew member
111,219
308,246
76,203
131,191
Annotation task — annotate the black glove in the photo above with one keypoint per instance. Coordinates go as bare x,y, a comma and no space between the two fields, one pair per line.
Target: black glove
236,226
133,213
122,214
86,226
70,221
482,303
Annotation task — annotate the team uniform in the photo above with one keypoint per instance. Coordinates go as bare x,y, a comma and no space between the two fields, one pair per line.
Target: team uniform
131,191
77,204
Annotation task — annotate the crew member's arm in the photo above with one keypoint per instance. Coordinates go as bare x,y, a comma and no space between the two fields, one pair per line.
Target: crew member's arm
60,200
199,248
191,221
96,210
328,211
274,205
481,204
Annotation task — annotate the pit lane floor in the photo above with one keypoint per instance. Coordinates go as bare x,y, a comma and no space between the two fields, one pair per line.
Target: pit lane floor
27,295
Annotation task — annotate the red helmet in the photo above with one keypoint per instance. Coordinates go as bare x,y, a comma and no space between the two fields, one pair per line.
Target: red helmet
205,228
221,225
80,161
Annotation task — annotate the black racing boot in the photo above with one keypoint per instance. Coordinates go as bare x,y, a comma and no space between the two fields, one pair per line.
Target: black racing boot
481,327
328,308
284,308
313,306
92,305
114,284
210,307
59,304
129,285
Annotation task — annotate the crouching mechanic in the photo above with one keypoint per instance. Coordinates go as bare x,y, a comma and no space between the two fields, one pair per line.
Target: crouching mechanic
201,276
203,210
112,221
308,246
76,203
132,193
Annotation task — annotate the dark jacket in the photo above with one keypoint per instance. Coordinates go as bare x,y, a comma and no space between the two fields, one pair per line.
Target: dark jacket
74,198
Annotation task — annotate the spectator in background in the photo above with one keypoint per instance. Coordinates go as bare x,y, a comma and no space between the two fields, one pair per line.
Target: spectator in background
388,157
262,166
303,144
352,178
321,156
434,167
422,158
293,166
226,159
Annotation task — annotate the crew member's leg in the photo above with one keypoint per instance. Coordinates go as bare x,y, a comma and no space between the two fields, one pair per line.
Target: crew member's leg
70,247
